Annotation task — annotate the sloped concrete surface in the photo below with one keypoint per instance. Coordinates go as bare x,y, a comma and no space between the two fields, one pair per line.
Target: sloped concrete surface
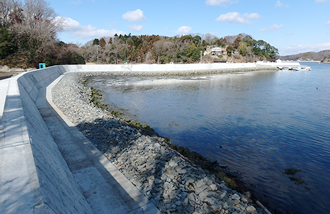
34,178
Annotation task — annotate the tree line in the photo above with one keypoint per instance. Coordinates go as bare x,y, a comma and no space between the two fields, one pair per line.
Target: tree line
28,35
179,49
28,31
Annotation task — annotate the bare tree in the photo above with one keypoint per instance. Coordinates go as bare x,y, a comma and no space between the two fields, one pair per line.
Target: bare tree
208,38
38,26
10,12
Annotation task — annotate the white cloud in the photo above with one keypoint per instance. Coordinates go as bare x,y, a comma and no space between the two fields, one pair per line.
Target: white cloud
135,27
319,1
272,28
295,49
183,30
252,15
134,16
328,23
218,2
235,17
71,26
278,4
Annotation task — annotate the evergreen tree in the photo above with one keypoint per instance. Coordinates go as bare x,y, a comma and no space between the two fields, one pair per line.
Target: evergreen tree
96,42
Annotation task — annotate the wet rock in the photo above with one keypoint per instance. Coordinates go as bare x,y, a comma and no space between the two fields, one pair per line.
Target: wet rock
211,201
173,163
235,197
200,183
251,209
201,189
244,199
203,195
240,207
236,202
225,206
213,187
223,194
216,207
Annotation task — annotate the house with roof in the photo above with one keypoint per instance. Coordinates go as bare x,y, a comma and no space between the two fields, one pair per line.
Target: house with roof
215,51
218,51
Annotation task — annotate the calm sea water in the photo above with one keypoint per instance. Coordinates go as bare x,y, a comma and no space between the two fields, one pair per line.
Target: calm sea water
257,123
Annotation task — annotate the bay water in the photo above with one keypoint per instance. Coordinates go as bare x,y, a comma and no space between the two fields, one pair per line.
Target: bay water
257,123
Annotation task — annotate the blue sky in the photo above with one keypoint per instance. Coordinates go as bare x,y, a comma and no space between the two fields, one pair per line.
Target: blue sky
292,26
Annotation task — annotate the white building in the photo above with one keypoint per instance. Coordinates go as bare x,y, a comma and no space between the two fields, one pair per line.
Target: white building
215,51
218,51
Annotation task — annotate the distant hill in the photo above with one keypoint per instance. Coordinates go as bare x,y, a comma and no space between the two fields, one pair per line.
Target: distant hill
323,56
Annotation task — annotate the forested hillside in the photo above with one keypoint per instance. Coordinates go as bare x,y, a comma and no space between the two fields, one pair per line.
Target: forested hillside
323,56
28,35
180,49
28,31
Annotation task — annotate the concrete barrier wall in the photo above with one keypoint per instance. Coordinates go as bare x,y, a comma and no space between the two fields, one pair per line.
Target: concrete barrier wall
34,176
285,64
159,68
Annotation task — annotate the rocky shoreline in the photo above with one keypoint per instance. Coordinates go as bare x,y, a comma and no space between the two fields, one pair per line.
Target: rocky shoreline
172,182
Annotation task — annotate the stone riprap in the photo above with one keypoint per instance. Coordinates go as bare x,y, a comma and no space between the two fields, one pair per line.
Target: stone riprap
169,180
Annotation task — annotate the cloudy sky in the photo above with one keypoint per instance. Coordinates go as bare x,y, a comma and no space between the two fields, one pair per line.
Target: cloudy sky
292,26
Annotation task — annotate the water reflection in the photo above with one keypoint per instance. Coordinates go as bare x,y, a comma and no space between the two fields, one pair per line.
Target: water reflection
258,123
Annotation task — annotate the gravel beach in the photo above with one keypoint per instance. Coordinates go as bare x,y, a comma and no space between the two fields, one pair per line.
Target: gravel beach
170,181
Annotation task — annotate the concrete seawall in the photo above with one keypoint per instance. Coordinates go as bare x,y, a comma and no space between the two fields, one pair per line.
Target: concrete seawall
167,69
34,177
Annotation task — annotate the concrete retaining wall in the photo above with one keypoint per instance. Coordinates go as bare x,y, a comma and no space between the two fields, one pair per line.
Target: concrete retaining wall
159,69
34,176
